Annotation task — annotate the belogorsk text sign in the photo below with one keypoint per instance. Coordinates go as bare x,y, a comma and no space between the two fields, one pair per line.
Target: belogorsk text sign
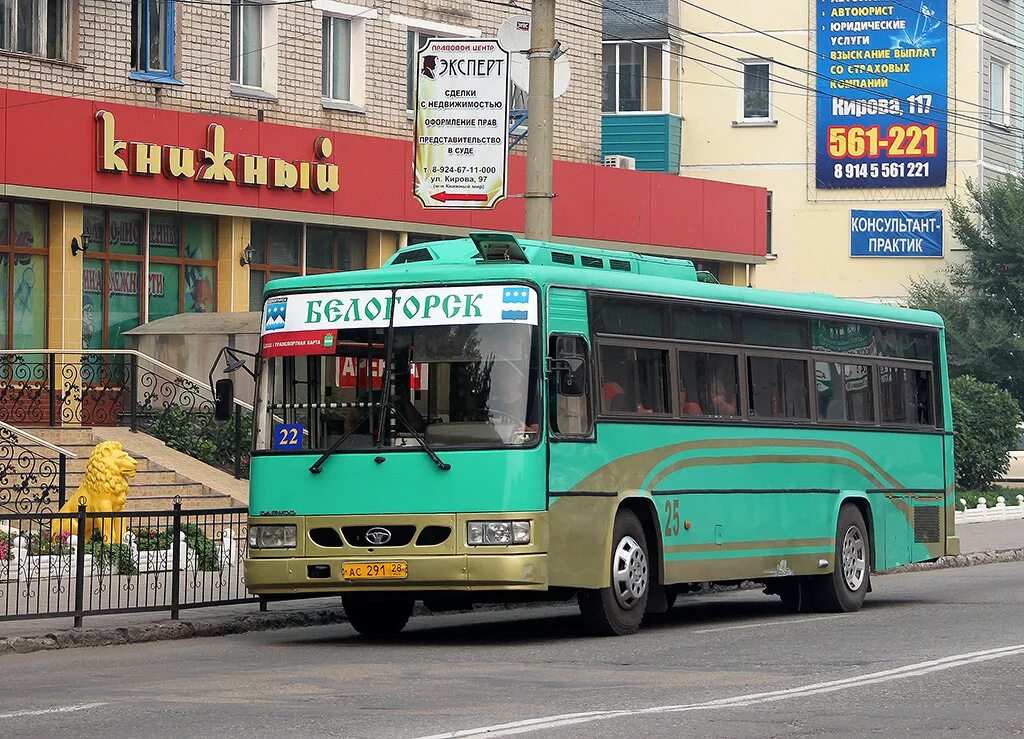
882,93
461,123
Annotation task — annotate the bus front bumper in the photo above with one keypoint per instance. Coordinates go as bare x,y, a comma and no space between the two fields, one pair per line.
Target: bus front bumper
440,572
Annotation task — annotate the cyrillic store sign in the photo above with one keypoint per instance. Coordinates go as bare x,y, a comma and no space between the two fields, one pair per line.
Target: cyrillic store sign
215,163
896,233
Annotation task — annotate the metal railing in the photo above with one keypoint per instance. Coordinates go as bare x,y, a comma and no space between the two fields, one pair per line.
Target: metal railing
47,387
66,564
29,479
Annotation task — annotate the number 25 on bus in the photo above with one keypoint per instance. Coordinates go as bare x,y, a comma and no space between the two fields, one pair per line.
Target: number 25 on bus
485,419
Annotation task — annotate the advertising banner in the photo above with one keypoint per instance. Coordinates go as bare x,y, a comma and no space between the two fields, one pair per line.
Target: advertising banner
896,233
882,94
461,146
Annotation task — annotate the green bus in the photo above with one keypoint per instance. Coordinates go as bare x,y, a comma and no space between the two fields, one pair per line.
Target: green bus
487,419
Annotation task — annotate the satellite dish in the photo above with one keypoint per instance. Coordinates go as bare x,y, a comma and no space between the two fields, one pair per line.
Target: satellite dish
514,37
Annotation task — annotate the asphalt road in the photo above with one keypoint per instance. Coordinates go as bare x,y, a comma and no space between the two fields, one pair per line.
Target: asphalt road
937,653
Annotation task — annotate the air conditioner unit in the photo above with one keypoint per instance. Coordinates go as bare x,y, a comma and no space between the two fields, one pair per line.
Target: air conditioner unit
619,161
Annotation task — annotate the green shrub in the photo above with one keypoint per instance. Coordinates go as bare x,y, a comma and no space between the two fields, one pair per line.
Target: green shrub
115,558
985,418
199,435
206,551
147,540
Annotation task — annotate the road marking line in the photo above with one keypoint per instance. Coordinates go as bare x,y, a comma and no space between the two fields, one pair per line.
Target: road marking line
831,686
768,623
58,709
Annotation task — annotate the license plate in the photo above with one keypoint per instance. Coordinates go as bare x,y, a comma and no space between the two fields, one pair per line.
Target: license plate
375,570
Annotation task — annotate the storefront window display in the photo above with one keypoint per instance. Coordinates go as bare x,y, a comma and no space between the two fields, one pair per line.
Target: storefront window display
182,265
182,271
23,234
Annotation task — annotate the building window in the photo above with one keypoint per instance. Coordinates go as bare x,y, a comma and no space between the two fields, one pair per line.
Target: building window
414,42
999,94
642,76
111,300
334,249
153,38
756,92
37,27
768,230
337,67
276,254
343,48
247,43
23,233
182,265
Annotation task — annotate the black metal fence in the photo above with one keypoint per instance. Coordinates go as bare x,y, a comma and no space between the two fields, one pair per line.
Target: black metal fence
87,564
32,477
123,388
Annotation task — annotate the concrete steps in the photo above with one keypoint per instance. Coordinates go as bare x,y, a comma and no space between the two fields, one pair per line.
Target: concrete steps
153,488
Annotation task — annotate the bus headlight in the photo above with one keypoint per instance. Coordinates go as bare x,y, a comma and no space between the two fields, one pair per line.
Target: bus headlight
498,533
271,537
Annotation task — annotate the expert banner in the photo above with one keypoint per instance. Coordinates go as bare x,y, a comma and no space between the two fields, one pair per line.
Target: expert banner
881,94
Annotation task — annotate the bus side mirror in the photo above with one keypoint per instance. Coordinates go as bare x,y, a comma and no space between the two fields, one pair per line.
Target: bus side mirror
223,399
571,372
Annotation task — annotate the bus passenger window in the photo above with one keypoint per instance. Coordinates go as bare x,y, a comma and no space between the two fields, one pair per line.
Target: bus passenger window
906,396
844,392
778,388
634,380
708,384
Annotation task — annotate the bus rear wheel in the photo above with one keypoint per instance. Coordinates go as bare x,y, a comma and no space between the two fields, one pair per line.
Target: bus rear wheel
619,609
844,589
376,616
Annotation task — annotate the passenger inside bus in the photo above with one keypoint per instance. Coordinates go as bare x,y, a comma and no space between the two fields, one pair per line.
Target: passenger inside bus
688,407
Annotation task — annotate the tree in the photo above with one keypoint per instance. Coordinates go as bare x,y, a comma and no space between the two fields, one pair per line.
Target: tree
982,300
985,418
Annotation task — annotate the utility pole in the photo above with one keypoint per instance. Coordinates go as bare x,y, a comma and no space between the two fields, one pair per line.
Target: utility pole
540,107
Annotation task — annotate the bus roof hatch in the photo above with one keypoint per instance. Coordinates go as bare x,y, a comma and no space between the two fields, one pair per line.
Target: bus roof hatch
499,247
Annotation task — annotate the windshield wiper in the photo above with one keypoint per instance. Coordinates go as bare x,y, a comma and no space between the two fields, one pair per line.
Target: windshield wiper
315,469
441,464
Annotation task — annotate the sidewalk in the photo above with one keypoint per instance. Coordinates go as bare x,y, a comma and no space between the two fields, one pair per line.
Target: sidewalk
56,633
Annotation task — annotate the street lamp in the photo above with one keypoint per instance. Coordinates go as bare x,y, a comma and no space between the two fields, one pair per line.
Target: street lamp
247,254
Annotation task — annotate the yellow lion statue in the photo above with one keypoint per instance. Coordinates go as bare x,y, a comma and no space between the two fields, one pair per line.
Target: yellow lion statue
105,489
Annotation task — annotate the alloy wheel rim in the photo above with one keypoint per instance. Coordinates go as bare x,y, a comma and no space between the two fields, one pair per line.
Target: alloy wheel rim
630,572
854,561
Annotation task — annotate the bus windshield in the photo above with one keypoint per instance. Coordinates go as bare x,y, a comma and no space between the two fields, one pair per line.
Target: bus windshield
453,386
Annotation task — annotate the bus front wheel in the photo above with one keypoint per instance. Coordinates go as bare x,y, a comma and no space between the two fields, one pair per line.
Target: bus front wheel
376,616
618,610
844,588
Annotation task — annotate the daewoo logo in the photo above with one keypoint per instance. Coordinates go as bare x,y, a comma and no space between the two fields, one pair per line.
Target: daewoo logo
378,536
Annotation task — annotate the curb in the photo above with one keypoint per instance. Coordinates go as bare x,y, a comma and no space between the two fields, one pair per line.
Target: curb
168,630
963,560
227,625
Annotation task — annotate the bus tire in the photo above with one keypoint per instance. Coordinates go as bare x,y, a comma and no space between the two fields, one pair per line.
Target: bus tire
377,617
618,610
844,589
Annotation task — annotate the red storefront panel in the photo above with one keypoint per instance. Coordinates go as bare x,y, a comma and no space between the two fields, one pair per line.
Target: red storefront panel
51,142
